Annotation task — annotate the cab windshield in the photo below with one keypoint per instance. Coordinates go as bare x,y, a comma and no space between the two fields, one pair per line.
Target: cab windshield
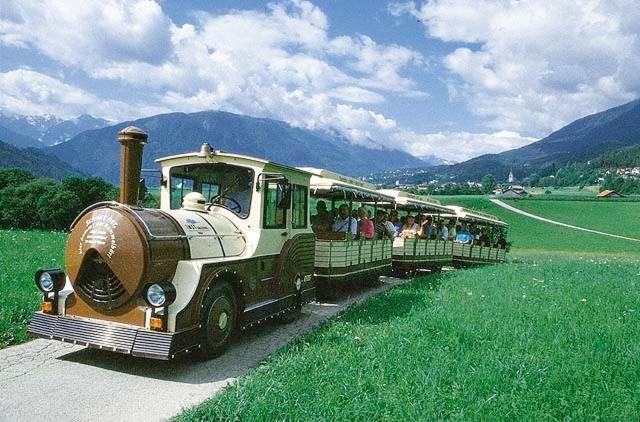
223,185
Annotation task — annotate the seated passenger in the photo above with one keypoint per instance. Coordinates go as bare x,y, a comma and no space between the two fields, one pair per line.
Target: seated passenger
484,238
426,226
323,220
384,227
410,228
502,242
366,229
393,219
344,222
442,230
463,235
452,230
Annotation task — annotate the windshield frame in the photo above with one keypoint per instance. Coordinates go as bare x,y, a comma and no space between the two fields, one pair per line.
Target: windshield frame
178,171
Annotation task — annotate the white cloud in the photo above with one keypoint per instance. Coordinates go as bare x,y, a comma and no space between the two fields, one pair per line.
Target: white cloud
88,34
26,92
277,62
459,146
534,66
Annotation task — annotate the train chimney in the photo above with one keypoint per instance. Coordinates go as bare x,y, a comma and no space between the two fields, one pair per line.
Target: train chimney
132,140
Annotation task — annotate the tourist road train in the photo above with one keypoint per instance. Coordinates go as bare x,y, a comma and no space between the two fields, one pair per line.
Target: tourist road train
230,247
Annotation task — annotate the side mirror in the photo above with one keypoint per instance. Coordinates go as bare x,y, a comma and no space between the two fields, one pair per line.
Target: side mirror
142,191
283,199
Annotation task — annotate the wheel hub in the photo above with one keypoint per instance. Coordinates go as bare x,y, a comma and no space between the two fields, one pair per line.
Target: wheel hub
222,320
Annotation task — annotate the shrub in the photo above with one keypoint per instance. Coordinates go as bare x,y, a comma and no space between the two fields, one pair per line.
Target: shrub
30,203
58,209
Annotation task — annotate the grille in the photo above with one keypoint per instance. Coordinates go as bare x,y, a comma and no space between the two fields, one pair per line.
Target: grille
98,285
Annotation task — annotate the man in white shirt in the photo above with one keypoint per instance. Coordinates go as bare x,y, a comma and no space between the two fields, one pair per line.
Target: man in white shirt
444,231
344,222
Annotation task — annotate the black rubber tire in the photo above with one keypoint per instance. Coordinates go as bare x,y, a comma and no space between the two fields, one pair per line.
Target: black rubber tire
217,330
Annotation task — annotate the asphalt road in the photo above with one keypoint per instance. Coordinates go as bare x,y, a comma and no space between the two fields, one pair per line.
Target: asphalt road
50,380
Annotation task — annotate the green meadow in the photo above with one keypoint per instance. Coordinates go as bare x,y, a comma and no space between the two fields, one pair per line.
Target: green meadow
550,335
21,254
621,218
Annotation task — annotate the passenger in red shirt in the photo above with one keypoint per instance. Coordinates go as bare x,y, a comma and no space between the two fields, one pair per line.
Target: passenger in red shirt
366,228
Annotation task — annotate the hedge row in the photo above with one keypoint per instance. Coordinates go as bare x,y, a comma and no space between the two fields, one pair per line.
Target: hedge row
28,202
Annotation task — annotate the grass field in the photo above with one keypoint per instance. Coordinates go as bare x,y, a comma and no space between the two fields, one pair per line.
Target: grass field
610,217
22,253
566,191
552,335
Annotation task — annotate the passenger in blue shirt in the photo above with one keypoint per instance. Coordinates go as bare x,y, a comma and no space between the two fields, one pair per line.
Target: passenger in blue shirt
463,235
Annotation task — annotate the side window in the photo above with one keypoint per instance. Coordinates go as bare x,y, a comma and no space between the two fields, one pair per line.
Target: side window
299,209
274,217
180,186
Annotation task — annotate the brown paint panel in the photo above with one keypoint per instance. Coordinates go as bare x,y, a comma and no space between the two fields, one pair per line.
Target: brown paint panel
112,252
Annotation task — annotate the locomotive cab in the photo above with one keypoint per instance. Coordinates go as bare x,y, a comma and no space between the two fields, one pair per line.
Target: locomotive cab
230,247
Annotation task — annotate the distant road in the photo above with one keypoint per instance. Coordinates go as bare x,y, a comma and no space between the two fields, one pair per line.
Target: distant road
50,380
546,220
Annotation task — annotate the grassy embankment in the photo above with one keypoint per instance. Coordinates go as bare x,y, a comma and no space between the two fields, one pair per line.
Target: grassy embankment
550,336
21,254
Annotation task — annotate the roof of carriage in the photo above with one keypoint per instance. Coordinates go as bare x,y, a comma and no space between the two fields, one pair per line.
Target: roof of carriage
408,200
327,184
477,216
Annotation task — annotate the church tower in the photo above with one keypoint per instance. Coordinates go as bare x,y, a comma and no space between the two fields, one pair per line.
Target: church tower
511,176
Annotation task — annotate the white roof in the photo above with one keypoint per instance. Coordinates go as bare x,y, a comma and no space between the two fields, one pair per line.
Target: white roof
412,201
328,184
478,216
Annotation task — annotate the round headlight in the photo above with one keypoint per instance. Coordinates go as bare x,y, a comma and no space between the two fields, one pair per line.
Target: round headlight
46,282
155,295
51,280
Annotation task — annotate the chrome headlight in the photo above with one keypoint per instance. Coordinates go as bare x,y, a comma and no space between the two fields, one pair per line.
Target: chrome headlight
159,294
51,280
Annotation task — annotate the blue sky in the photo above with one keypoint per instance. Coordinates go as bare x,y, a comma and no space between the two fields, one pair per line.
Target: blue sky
453,78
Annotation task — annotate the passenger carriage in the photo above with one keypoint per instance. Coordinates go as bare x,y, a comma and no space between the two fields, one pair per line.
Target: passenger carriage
491,251
343,260
414,254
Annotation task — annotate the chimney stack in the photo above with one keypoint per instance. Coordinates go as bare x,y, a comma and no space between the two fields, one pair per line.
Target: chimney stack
132,140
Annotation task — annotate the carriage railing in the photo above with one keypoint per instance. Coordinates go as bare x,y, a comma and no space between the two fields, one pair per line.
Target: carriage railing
437,250
353,254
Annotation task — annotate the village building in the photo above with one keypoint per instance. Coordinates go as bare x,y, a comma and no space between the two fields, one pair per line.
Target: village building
515,192
610,194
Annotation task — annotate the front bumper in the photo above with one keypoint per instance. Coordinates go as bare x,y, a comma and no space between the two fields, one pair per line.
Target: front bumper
114,337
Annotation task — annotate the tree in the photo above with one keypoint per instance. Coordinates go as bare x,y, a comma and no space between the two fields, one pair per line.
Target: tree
18,204
488,183
58,210
14,177
90,190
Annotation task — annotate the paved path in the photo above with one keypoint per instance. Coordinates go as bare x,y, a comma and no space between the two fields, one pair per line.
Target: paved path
546,220
49,380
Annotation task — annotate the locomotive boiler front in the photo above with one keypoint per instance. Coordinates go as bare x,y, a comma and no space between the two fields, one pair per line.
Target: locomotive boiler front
113,251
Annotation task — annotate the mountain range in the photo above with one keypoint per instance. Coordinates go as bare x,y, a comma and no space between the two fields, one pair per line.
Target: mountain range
88,145
579,141
45,130
96,152
36,161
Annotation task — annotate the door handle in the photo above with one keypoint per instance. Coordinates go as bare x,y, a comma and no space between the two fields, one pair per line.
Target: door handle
285,233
